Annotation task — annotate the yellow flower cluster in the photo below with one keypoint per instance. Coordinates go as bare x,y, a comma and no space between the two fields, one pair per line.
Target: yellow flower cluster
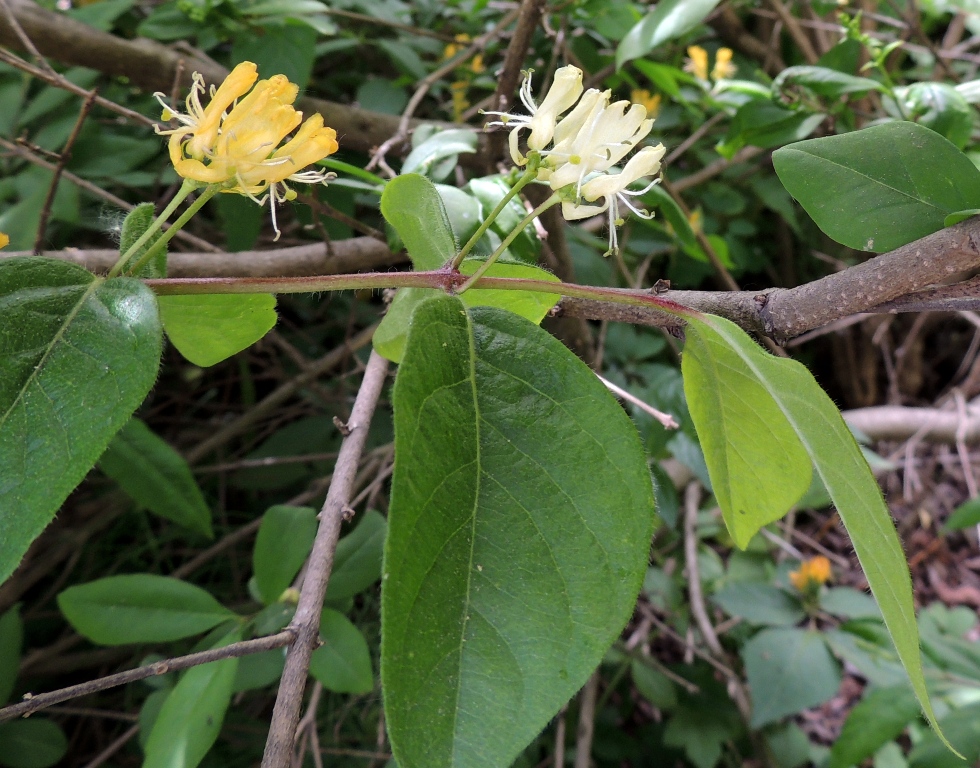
812,574
4,240
697,63
239,149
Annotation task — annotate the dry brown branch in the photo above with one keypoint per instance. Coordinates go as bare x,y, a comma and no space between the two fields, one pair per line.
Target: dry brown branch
32,704
306,620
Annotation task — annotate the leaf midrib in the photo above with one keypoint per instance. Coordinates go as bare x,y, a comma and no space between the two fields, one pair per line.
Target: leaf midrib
69,319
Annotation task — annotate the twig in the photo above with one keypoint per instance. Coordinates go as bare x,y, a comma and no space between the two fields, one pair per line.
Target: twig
668,421
33,703
278,396
586,722
306,620
63,158
114,747
796,32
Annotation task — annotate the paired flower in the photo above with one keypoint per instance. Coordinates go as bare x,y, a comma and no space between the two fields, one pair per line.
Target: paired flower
237,149
585,146
813,573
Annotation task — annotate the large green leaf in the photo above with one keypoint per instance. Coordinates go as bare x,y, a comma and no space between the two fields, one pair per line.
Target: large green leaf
759,468
77,356
669,19
833,450
156,476
140,608
881,187
788,670
518,536
209,328
190,719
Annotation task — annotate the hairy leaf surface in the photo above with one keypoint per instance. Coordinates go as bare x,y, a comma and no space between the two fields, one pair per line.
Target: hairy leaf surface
77,356
520,521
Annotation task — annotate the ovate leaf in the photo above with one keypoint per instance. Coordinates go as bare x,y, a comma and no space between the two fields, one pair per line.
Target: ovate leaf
283,543
77,356
835,454
878,188
788,670
154,475
209,328
668,20
190,719
877,719
518,536
412,205
34,743
343,662
140,608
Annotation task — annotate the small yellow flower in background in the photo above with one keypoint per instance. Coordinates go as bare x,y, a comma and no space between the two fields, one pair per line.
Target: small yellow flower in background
238,149
697,62
453,48
696,220
723,69
4,240
812,574
460,102
651,101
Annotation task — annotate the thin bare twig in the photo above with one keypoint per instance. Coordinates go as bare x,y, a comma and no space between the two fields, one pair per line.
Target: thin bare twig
586,722
33,703
306,620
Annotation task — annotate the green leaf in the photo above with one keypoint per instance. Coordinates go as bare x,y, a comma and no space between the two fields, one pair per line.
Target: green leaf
839,463
824,81
442,144
877,719
209,328
77,356
412,205
758,466
956,218
878,189
283,543
34,743
11,640
140,608
963,727
668,20
764,124
390,338
939,107
760,604
343,662
137,221
498,541
849,603
966,515
788,670
653,685
357,560
190,719
154,475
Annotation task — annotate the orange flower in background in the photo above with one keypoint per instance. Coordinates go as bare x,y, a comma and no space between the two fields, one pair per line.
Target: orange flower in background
723,69
4,240
649,100
812,574
697,62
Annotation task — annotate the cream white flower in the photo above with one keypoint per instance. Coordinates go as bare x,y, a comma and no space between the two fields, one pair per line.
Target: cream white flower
594,141
613,190
564,92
